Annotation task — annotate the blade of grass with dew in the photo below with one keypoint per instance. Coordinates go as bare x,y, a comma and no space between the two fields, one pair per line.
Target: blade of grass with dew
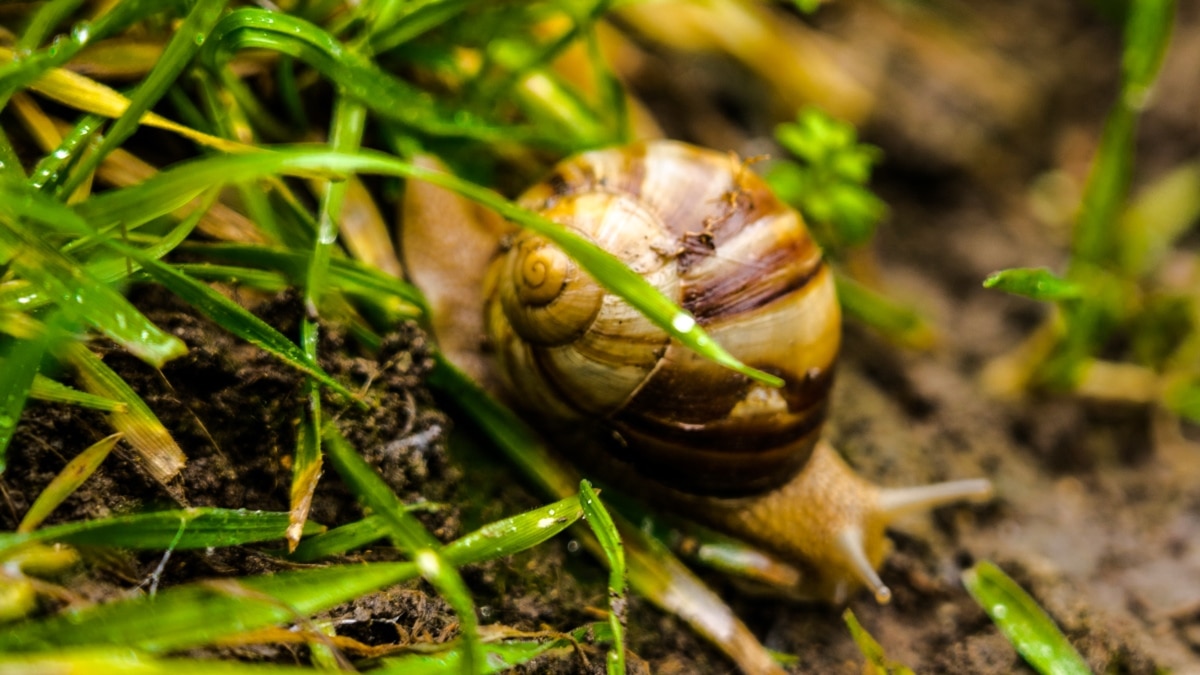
16,74
202,527
45,20
877,662
407,532
67,283
182,616
160,455
104,269
186,40
341,539
52,391
235,319
170,189
82,93
347,129
502,655
1026,625
653,571
606,533
78,470
62,150
382,93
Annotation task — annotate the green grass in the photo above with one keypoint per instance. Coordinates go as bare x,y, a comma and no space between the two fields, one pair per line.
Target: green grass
69,249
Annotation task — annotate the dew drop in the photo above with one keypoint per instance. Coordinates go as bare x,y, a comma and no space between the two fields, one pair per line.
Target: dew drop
999,611
683,323
82,31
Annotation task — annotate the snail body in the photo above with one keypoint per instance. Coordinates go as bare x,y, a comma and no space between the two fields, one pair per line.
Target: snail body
700,439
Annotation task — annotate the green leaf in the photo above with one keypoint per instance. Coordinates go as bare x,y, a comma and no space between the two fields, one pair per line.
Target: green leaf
1035,283
1026,625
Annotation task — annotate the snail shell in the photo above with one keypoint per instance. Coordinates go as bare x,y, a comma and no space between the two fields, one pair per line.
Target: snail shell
710,235
690,435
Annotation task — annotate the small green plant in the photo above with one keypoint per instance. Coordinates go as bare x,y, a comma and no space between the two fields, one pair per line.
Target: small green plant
827,182
1122,328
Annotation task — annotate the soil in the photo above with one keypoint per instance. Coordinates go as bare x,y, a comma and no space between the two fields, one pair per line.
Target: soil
1096,510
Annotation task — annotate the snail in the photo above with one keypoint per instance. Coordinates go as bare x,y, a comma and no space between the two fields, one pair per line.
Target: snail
694,437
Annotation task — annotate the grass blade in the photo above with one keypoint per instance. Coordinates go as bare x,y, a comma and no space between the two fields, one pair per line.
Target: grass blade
1026,625
67,481
18,370
179,530
375,494
877,662
160,454
610,541
181,617
450,585
108,660
173,188
50,391
183,45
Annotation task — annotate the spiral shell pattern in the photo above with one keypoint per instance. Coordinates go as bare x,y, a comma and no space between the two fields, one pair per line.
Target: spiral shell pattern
708,233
